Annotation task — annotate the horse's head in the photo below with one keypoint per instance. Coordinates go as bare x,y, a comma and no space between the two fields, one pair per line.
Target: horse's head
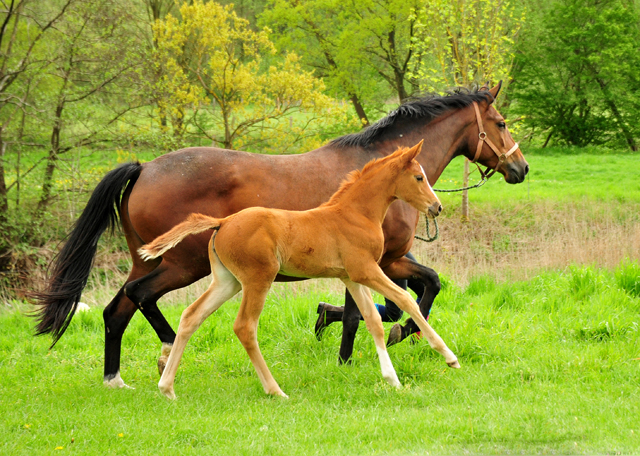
412,184
490,143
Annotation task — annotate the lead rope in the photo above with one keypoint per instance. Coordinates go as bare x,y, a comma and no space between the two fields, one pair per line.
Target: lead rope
429,238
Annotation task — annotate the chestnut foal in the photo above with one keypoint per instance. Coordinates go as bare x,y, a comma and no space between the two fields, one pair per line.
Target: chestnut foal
342,239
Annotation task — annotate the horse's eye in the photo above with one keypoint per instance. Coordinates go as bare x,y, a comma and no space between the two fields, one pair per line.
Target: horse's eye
502,125
419,178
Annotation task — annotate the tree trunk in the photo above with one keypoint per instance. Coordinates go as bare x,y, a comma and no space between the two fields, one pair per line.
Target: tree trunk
359,110
52,159
5,238
616,114
465,193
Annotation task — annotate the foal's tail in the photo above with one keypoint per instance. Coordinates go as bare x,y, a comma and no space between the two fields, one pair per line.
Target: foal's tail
71,267
195,223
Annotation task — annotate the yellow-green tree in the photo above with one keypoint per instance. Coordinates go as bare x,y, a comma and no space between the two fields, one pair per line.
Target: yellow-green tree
237,90
465,43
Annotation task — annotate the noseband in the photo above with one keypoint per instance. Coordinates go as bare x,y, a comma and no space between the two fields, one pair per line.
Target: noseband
483,138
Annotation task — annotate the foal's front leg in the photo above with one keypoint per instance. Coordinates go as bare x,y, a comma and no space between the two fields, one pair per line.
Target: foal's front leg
375,279
362,297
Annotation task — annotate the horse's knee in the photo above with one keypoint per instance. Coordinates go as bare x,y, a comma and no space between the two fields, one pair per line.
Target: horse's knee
432,281
117,314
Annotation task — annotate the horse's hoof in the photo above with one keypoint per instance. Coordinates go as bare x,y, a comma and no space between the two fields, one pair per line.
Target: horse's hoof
162,363
321,322
454,364
395,335
116,382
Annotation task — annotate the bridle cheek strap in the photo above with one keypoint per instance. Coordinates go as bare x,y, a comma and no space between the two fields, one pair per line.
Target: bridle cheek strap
483,138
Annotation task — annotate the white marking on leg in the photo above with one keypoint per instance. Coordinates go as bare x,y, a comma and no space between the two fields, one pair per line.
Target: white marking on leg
116,382
82,307
388,372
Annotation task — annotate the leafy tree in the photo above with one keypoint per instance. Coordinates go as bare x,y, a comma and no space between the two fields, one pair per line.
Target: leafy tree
236,96
24,26
362,49
93,59
577,72
462,43
465,42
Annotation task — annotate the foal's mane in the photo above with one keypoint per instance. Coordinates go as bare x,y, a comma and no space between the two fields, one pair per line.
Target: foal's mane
357,174
427,107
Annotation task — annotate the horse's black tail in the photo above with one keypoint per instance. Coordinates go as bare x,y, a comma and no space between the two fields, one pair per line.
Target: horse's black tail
70,269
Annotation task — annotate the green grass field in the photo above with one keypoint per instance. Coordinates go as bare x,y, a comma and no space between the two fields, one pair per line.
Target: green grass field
550,365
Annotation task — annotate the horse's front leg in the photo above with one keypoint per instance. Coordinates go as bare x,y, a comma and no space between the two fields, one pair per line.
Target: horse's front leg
350,321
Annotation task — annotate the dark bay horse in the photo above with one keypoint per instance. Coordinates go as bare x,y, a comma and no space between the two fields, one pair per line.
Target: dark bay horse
162,193
341,239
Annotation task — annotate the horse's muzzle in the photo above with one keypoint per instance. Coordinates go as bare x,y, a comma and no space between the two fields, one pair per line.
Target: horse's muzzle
515,173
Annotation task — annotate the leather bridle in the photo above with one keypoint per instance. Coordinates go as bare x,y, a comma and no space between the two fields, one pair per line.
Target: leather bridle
483,138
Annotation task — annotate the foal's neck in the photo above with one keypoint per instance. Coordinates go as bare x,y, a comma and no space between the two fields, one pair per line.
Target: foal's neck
370,195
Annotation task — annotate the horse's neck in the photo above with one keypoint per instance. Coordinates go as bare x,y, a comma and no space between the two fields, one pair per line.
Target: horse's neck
442,140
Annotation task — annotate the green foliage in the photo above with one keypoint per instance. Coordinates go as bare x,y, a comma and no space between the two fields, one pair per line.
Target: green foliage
576,72
211,62
363,50
465,42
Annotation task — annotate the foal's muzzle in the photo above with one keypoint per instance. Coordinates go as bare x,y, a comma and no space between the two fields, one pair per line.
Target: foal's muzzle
435,209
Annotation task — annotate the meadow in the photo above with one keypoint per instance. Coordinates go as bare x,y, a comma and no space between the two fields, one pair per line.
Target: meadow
540,301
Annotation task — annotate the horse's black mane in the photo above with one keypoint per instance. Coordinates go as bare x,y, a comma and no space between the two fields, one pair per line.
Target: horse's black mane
426,107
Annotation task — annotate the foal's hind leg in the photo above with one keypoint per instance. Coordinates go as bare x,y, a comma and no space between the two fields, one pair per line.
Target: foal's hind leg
375,279
362,297
223,287
246,328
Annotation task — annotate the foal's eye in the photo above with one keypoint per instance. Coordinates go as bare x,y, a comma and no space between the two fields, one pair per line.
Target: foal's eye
419,178
502,125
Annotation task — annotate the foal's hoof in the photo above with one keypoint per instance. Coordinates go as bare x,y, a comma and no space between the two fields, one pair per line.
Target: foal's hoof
162,363
395,335
167,391
454,364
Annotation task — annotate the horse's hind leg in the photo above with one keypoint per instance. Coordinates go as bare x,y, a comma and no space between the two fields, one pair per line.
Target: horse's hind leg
223,287
117,316
362,297
146,291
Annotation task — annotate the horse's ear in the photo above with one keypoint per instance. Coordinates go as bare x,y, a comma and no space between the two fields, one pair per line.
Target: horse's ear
412,153
496,90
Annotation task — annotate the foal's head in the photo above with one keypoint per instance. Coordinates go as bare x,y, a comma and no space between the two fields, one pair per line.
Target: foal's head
412,184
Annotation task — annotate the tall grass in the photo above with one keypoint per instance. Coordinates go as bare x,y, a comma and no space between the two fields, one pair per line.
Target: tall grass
549,365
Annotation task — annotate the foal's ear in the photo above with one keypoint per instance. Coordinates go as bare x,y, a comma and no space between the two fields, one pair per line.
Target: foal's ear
412,153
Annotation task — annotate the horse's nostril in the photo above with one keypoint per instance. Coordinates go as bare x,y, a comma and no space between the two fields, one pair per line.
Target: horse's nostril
526,170
439,208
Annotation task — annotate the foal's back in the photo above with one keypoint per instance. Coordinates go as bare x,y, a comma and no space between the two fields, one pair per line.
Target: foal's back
259,242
